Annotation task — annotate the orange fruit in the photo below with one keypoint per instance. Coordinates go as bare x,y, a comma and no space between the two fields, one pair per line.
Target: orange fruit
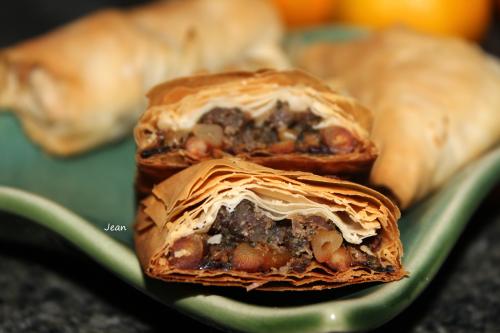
463,18
297,13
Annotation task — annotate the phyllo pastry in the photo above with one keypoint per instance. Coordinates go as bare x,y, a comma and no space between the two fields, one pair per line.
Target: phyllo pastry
435,102
83,84
281,119
229,222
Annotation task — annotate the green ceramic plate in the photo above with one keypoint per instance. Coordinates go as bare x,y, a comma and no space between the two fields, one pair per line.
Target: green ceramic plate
78,197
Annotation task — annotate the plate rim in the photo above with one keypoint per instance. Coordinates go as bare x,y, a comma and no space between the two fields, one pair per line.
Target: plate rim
344,314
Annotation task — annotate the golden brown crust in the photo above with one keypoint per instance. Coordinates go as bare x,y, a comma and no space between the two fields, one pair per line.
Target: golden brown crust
152,170
317,278
169,214
59,90
435,103
83,84
173,91
180,100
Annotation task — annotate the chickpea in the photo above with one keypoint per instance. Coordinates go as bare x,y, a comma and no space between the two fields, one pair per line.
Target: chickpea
247,258
187,252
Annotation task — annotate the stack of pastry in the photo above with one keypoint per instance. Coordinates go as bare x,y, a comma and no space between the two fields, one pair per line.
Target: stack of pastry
213,210
239,173
235,176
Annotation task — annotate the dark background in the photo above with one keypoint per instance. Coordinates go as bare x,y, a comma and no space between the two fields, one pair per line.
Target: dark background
46,286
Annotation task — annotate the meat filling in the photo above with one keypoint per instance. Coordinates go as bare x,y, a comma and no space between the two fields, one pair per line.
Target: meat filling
229,130
245,239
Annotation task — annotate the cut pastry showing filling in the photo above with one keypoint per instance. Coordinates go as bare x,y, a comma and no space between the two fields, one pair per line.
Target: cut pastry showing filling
248,239
284,120
233,223
231,131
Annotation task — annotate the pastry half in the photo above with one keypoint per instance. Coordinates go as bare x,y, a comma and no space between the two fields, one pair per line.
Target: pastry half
83,84
281,119
228,222
435,102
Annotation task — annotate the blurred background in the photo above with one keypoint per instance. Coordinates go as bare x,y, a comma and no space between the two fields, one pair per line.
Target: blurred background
44,291
475,20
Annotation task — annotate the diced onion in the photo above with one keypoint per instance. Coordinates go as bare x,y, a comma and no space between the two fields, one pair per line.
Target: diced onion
210,133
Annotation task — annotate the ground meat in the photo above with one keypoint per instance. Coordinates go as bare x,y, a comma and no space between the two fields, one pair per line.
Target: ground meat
218,257
282,132
231,120
305,122
253,138
300,264
280,233
243,223
297,245
165,142
310,142
364,259
374,242
282,117
313,223
249,240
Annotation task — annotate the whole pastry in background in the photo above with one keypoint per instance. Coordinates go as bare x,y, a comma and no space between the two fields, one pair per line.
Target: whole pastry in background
83,84
228,222
281,119
436,103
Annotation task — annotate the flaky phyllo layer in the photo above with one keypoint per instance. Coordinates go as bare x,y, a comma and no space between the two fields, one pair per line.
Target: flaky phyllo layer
229,222
179,104
281,119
